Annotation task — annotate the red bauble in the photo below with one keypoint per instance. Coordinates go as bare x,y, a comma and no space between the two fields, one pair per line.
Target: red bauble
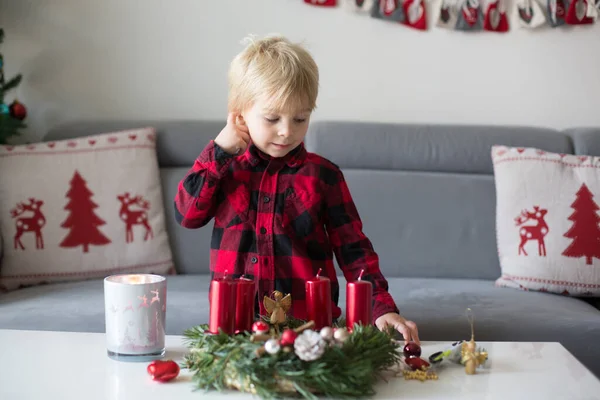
288,337
416,363
260,327
163,371
412,350
17,110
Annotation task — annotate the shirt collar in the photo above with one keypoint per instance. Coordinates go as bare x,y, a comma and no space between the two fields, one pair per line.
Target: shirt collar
294,158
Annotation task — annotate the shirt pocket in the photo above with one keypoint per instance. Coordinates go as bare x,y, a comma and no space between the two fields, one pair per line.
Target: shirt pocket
301,213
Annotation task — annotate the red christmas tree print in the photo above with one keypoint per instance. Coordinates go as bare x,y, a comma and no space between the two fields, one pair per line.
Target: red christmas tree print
82,221
585,231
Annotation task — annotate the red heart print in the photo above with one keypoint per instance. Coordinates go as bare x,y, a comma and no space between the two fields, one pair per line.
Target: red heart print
92,142
72,144
132,137
112,139
51,145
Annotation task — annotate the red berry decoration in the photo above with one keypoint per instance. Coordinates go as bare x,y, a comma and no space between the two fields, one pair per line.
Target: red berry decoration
260,327
17,110
412,350
416,363
163,371
288,337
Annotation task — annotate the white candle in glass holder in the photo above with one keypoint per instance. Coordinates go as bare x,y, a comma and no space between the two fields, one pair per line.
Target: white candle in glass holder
135,308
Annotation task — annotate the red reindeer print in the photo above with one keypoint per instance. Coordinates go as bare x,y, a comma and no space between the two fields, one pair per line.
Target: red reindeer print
134,217
144,302
34,222
155,298
533,232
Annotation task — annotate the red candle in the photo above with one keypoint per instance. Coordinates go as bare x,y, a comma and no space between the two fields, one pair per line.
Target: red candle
359,302
222,305
318,300
244,309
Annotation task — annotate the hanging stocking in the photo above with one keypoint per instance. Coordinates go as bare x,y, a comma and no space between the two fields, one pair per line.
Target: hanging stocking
324,3
556,13
495,17
448,14
577,11
530,14
390,10
470,17
414,10
359,6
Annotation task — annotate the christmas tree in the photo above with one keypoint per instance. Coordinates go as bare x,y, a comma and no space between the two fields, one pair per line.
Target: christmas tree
82,221
11,117
585,231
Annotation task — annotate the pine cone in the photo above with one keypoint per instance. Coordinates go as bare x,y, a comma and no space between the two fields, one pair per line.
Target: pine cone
309,345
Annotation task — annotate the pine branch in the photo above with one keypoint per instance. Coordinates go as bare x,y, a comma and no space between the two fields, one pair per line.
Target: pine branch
11,84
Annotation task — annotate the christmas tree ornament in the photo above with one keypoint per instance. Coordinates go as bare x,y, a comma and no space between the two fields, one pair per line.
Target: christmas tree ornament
530,14
411,349
288,337
448,15
323,3
577,12
556,13
341,335
272,346
278,307
309,345
163,371
260,327
17,110
327,333
416,362
415,15
471,357
495,17
470,16
11,117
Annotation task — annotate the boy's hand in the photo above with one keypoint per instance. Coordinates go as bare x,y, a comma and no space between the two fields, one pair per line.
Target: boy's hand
408,329
235,136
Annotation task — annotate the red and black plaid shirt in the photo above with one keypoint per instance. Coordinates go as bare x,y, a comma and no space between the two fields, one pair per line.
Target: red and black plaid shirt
278,221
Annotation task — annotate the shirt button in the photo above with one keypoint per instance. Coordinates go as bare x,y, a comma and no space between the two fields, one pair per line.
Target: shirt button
263,230
254,260
266,199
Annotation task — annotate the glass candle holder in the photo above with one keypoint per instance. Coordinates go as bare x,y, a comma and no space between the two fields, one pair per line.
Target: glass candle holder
135,308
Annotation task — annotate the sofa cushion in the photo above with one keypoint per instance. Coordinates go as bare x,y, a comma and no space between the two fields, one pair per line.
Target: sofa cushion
424,147
81,209
437,306
547,220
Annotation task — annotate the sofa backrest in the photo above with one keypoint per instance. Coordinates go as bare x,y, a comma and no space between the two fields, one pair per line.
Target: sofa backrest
425,192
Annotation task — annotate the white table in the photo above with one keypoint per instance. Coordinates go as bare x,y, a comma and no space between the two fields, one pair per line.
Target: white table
61,365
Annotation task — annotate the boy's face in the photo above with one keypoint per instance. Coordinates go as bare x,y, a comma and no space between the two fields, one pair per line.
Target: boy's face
276,132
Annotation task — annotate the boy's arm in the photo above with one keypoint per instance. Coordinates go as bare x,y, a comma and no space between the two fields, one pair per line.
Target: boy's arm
353,250
195,201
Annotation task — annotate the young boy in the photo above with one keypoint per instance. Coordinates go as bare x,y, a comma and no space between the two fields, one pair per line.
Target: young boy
280,212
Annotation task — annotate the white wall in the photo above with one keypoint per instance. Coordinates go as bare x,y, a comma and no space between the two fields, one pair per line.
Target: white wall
168,59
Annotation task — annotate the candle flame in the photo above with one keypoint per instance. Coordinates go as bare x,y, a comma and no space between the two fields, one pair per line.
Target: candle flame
319,272
362,271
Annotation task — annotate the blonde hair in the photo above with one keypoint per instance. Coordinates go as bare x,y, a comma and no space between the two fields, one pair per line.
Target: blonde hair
274,67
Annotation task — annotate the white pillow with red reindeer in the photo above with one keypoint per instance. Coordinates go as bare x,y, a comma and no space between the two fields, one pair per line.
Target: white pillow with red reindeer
81,209
548,220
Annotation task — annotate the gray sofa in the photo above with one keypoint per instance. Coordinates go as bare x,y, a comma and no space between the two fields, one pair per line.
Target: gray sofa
426,195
